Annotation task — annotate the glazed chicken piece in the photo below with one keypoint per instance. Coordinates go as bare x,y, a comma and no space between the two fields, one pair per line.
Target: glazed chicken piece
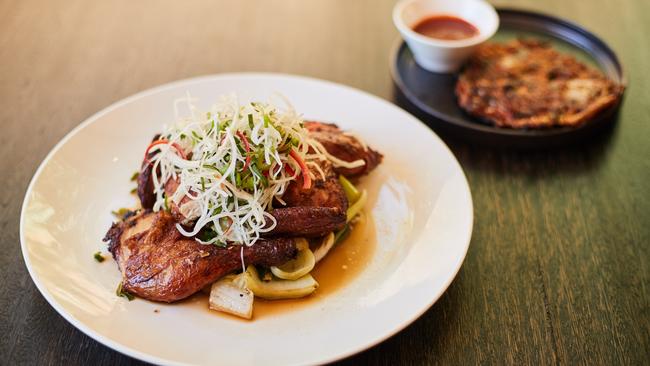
315,211
308,212
159,264
344,147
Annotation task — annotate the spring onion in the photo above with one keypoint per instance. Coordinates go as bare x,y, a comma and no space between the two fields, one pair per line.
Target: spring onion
123,293
356,207
233,162
99,257
351,192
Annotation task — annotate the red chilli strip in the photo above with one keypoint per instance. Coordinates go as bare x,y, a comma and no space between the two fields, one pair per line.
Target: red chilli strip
177,147
247,147
305,171
288,169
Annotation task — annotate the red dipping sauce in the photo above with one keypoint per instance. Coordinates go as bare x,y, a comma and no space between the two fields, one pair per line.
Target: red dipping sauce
445,27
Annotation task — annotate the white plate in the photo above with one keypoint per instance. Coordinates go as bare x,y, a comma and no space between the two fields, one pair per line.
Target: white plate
420,201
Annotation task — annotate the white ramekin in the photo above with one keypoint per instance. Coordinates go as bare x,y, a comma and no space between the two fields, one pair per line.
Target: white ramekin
444,56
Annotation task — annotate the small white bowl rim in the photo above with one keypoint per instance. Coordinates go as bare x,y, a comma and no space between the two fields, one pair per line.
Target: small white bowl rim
480,38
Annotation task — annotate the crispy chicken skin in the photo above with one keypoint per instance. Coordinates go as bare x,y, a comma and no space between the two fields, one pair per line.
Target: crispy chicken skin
158,263
307,221
145,186
325,191
315,211
344,147
145,182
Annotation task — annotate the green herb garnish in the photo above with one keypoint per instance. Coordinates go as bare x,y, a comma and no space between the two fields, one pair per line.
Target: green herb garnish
238,179
123,293
211,167
167,208
99,257
121,213
135,176
248,183
259,175
208,234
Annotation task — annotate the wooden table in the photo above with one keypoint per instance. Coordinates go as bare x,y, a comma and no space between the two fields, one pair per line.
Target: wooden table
558,268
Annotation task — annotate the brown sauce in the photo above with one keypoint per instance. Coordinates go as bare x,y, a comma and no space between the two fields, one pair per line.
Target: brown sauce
339,267
445,27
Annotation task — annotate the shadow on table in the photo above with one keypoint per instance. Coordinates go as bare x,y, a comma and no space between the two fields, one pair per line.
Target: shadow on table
577,158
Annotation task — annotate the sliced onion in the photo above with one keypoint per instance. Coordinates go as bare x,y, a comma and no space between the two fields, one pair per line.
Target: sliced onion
298,267
279,289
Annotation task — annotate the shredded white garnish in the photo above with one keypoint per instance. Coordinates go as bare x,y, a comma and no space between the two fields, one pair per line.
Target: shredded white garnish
230,164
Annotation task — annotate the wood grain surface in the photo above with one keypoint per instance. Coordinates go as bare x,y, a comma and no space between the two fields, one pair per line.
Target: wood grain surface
558,267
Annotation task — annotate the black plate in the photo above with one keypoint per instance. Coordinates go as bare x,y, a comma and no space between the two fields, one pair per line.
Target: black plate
431,96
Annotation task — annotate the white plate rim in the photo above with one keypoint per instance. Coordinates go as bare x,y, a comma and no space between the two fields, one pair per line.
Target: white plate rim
127,350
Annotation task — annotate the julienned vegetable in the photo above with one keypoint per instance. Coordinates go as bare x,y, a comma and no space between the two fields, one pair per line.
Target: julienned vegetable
247,150
176,146
303,168
234,162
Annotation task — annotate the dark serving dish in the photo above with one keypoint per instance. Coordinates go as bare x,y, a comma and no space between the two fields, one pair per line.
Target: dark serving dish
431,96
